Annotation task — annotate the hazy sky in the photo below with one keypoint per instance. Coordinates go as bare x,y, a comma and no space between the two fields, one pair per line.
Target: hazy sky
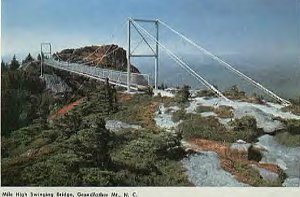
248,27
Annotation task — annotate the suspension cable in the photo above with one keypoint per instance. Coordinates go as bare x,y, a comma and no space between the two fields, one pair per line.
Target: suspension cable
272,94
182,63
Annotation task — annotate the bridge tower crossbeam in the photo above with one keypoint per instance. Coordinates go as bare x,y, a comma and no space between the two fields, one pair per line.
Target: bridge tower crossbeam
130,53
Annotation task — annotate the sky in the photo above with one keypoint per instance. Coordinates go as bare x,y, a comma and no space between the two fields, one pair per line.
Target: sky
268,28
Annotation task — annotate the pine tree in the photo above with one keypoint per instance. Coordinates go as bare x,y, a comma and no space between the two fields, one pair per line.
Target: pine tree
3,66
28,59
39,57
14,64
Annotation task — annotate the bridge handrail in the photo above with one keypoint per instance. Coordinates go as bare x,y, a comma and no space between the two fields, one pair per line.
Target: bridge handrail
117,76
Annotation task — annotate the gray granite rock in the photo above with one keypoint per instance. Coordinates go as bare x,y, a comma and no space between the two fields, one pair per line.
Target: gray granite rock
287,158
291,182
204,169
266,174
115,125
242,147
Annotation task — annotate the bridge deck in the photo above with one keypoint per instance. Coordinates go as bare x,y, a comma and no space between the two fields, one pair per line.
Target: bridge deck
119,78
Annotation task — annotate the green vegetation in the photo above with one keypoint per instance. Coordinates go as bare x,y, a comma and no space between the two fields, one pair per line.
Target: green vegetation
201,109
77,150
293,126
183,94
294,107
195,126
205,93
138,110
224,111
288,139
290,136
23,98
244,123
234,93
179,115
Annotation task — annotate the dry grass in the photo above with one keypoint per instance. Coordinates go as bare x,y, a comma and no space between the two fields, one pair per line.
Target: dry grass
137,109
237,162
224,111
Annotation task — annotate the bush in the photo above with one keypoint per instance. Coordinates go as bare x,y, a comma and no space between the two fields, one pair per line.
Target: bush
195,126
293,126
183,95
288,139
234,93
224,111
178,115
244,123
201,109
205,93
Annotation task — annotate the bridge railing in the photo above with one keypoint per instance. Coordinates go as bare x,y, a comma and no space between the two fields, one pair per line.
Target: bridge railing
117,77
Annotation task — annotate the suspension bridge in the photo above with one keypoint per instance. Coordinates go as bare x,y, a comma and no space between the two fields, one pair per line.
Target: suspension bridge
136,81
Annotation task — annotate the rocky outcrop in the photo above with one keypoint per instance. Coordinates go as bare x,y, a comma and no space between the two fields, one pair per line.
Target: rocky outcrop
115,125
204,169
56,84
106,56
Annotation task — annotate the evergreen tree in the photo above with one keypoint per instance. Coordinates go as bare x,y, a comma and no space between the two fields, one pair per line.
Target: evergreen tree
14,64
28,59
39,57
3,66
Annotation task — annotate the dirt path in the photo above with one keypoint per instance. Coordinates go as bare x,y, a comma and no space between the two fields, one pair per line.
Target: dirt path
65,109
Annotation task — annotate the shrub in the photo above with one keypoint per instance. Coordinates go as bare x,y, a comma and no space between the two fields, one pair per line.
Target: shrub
201,109
224,111
178,115
293,126
234,93
205,93
288,139
195,126
183,95
244,123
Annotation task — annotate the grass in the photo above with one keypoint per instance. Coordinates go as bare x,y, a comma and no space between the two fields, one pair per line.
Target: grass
224,111
288,139
238,164
139,109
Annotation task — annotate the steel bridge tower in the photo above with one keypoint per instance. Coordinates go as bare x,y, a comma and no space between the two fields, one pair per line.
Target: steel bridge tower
131,23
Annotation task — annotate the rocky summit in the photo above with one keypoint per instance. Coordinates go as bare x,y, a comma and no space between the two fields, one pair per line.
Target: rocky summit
106,56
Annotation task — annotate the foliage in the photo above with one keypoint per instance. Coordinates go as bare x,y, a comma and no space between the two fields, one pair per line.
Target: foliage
179,115
294,107
205,93
183,94
138,110
77,150
224,111
293,126
202,109
244,123
149,91
288,139
14,64
195,126
28,59
22,96
234,93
